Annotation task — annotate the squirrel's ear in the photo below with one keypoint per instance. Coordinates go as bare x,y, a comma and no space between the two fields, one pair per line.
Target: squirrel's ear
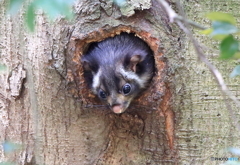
86,65
134,60
89,65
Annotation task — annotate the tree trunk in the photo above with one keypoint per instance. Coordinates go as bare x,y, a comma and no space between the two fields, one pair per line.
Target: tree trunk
46,107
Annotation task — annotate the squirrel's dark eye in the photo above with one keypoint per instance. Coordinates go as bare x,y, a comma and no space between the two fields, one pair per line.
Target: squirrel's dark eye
102,94
126,88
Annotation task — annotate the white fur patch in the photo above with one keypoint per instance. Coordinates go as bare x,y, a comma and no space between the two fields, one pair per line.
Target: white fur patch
96,81
133,76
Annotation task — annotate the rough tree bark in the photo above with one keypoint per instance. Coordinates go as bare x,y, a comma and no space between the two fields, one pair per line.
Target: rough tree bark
46,107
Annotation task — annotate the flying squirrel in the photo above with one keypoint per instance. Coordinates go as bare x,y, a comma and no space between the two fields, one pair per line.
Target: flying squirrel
118,68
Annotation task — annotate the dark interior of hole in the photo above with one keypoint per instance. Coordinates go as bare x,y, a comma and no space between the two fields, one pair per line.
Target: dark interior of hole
88,46
91,45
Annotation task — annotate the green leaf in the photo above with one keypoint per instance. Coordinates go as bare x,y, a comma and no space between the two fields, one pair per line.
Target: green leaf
7,163
231,162
14,6
222,17
120,3
55,8
235,151
236,55
30,17
228,47
235,72
10,147
223,28
220,37
3,68
206,31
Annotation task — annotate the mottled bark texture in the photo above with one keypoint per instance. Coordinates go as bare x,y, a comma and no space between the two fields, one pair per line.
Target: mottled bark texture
46,107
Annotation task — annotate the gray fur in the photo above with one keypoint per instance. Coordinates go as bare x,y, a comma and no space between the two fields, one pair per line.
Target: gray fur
109,65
